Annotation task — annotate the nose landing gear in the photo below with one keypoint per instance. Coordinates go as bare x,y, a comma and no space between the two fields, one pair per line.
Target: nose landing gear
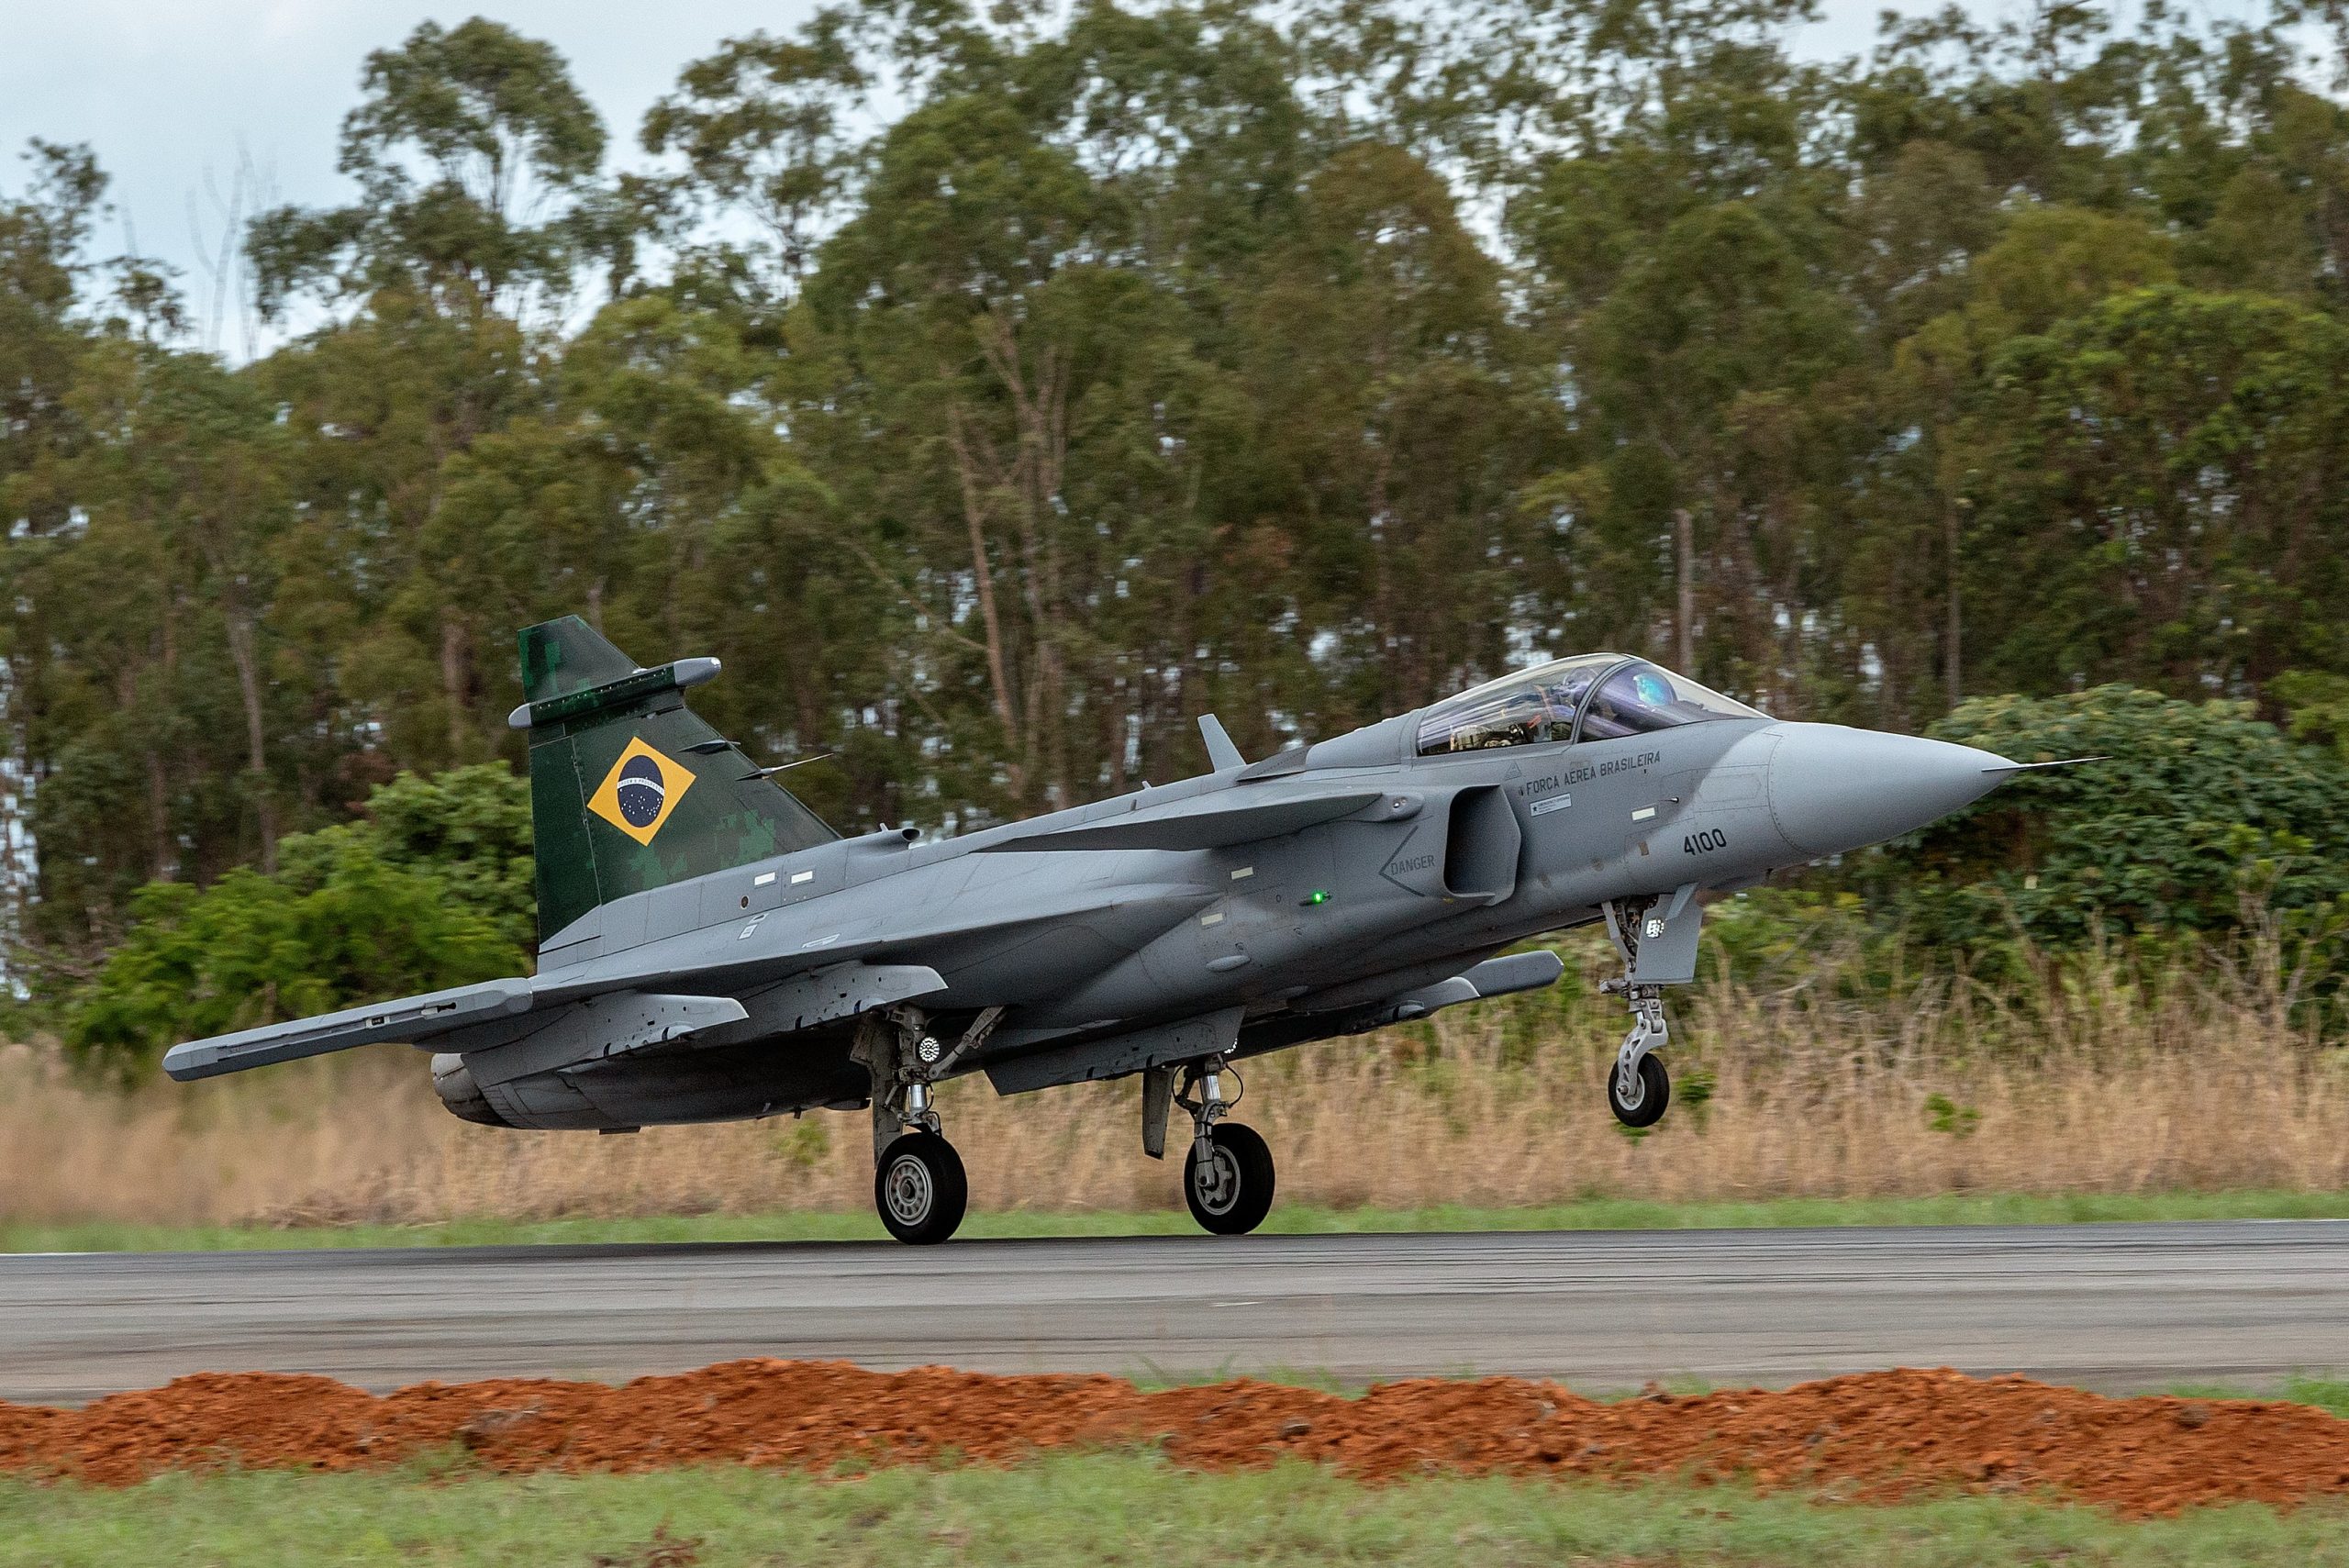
1228,1177
1637,1088
1230,1187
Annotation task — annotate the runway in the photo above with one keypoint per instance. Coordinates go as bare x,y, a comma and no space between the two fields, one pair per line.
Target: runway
2114,1307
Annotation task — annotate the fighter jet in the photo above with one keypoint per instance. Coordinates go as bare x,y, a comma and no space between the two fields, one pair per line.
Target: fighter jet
710,951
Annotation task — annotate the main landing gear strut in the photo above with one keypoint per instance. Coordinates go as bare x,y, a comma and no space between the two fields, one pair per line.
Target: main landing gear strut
919,1186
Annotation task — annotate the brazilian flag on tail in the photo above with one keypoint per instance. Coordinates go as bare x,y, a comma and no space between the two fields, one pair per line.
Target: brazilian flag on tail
629,790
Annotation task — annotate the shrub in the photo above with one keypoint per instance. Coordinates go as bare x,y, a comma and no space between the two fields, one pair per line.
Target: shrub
432,889
2199,813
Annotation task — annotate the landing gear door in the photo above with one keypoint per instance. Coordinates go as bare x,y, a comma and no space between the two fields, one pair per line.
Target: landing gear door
1663,947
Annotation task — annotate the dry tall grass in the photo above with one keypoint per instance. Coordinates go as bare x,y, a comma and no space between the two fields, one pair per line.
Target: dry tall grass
2098,1082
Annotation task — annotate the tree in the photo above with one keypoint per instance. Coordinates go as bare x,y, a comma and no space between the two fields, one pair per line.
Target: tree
465,135
764,126
2167,477
474,153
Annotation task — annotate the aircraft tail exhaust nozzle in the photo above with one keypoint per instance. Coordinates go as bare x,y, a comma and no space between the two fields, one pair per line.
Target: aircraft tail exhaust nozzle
453,1081
1833,789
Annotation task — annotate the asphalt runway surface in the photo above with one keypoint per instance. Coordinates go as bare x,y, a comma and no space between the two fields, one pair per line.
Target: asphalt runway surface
2116,1308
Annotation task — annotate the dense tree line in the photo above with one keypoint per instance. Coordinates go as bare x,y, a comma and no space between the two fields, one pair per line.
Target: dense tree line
996,391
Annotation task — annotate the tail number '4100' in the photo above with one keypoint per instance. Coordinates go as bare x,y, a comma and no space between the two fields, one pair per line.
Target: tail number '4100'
1704,843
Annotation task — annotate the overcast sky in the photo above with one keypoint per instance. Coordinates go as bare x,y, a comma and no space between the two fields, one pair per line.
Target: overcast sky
168,91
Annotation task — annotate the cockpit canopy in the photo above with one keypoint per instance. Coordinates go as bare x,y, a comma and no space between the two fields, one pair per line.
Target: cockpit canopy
1597,696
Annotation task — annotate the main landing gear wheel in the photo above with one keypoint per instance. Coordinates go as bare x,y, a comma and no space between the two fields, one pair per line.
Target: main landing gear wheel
1230,1185
920,1188
1649,1095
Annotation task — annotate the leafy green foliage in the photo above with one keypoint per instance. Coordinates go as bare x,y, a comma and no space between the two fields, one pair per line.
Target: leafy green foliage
2164,474
2316,704
1945,1116
469,826
432,889
2199,812
464,133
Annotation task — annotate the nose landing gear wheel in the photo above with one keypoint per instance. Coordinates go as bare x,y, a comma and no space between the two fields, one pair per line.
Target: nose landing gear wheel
1230,1191
920,1188
1646,1107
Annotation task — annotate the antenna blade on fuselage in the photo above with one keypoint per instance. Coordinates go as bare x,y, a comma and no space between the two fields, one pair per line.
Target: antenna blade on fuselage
1222,755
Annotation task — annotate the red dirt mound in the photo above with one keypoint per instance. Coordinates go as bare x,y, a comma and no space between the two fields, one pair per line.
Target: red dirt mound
1879,1435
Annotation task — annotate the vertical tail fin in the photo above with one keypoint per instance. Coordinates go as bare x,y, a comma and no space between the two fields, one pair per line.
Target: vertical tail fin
559,657
629,790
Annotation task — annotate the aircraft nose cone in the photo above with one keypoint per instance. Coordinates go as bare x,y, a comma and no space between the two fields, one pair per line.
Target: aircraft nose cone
1833,789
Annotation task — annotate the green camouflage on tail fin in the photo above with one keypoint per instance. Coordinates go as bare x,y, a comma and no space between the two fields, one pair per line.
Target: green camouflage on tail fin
568,655
629,789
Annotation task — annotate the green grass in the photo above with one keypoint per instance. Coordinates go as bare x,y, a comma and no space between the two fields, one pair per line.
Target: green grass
2325,1393
1594,1214
1088,1508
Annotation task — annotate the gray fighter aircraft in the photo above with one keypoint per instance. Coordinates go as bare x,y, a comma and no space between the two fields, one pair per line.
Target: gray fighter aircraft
710,951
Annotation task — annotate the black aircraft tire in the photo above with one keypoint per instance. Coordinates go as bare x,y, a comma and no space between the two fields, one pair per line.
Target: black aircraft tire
1655,1094
919,1189
1233,1198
